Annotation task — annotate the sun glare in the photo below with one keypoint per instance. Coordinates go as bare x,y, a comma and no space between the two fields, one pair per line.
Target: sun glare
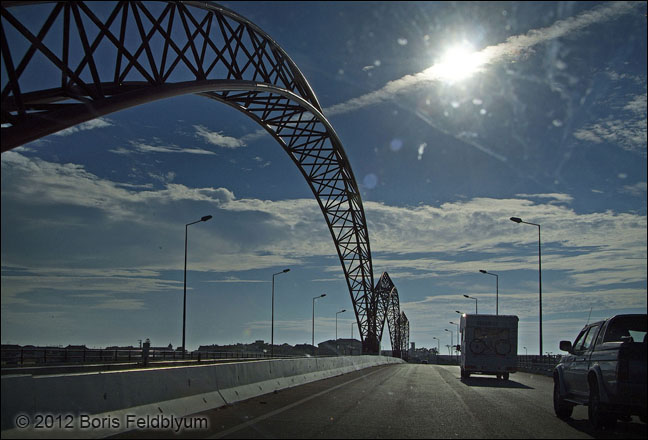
457,63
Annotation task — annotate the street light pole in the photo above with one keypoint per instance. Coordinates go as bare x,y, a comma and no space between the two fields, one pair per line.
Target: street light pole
451,338
457,333
336,315
438,344
470,297
519,220
317,297
272,325
184,301
496,289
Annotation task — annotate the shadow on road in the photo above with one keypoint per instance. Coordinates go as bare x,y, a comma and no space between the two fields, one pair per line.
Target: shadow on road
493,383
634,429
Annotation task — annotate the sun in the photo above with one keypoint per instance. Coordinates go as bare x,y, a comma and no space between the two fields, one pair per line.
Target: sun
457,63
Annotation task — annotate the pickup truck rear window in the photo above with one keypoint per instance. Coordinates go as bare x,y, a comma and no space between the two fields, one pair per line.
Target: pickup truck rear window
626,326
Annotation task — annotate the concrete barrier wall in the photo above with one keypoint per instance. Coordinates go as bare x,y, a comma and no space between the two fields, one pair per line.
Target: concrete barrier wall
178,391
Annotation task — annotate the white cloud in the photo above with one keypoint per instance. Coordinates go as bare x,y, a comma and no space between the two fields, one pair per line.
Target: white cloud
48,183
216,138
629,133
88,125
593,250
637,105
554,198
638,189
144,148
237,280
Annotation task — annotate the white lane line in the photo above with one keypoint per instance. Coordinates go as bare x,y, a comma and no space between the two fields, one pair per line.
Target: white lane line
287,407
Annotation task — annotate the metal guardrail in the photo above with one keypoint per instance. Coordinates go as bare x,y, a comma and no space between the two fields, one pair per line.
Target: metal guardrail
23,357
534,364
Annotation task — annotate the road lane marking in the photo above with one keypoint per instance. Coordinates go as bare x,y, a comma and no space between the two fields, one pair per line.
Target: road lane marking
287,407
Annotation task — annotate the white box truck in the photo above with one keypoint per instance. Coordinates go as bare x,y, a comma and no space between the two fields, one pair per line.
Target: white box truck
488,345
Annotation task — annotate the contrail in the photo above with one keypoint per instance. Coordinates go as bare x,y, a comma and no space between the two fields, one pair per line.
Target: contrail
513,46
510,48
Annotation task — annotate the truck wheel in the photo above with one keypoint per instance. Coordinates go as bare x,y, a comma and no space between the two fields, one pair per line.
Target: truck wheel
598,418
499,376
505,376
562,409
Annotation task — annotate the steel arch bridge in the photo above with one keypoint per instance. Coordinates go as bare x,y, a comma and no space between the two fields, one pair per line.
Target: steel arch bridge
95,58
389,310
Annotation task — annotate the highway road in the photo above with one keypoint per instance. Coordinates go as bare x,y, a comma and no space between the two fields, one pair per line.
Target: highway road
404,401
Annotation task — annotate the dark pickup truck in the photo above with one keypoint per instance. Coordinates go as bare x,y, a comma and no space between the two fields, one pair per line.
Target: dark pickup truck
605,370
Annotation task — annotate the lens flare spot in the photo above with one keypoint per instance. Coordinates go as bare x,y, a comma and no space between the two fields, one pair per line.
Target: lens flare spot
370,181
421,150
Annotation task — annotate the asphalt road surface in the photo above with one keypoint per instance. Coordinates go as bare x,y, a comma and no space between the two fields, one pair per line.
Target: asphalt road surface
404,401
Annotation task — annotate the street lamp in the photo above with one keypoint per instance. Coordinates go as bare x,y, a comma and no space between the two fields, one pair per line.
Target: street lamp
457,333
317,297
438,345
272,325
336,314
184,301
451,337
496,289
519,220
457,311
470,297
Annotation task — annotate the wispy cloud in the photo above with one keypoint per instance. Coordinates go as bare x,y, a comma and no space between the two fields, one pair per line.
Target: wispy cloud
296,227
145,148
638,189
218,139
553,197
88,125
236,280
513,47
629,133
592,250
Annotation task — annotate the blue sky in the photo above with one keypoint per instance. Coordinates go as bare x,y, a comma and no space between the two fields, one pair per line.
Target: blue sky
550,127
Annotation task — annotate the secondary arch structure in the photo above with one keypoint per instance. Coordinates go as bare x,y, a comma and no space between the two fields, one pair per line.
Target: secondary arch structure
90,59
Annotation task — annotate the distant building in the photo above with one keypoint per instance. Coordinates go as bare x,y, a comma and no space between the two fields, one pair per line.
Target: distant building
341,347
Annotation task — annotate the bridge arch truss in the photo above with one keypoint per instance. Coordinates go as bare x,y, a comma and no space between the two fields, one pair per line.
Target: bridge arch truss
95,58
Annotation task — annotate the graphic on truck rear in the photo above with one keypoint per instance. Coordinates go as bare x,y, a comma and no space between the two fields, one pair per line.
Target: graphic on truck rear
487,340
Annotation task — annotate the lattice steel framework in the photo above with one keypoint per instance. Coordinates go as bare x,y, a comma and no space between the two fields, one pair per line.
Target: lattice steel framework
389,310
84,60
404,332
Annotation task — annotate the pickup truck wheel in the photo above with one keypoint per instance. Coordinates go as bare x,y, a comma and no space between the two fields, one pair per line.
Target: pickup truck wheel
505,376
599,418
562,409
